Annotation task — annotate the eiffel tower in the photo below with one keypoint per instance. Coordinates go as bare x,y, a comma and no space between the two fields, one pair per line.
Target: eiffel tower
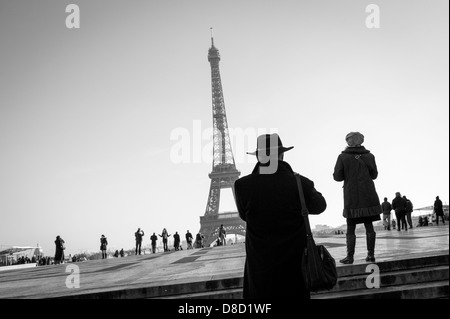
224,172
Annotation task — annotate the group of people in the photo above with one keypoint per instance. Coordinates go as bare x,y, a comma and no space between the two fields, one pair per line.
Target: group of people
268,201
198,243
403,209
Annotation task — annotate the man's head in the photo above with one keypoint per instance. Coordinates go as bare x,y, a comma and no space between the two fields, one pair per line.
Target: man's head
269,150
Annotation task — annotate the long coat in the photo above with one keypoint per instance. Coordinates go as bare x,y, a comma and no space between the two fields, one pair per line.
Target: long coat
59,252
438,207
357,168
275,231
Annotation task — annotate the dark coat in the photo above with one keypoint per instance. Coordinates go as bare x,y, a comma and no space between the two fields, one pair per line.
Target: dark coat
399,205
275,231
357,168
103,243
59,251
438,208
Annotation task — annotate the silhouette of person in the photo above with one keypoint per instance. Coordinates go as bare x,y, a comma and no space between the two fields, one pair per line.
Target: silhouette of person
154,238
399,207
189,239
386,208
139,234
199,240
59,250
165,235
103,246
357,168
122,253
176,241
438,210
268,201
408,211
222,235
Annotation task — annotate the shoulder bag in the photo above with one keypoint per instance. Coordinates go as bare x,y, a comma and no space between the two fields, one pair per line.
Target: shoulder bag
318,266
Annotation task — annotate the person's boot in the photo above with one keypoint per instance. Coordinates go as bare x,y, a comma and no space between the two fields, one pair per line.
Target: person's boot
351,242
370,240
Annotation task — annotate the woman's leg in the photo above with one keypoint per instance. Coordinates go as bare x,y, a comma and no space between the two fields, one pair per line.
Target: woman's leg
351,242
370,241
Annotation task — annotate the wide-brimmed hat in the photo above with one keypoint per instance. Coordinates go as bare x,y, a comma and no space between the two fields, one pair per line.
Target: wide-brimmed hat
268,144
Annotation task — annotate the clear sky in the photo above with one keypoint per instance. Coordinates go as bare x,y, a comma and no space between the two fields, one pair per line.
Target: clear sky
89,117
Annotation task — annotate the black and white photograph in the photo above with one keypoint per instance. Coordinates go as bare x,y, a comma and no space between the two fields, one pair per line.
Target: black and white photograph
248,152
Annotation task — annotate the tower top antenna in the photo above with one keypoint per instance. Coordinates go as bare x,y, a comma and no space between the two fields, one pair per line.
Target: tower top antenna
212,36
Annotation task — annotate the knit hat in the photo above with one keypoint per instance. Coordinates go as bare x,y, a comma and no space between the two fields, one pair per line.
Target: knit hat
354,139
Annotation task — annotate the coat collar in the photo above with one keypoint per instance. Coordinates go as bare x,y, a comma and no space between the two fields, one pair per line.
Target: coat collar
356,150
283,168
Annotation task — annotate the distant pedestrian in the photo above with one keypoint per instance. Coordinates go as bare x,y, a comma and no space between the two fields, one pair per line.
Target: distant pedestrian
176,241
116,253
139,234
386,208
189,239
165,235
393,224
199,240
103,245
122,253
59,250
399,207
356,166
222,235
153,239
438,210
409,210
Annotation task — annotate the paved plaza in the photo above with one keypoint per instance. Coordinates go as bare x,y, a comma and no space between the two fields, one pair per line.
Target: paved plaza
182,272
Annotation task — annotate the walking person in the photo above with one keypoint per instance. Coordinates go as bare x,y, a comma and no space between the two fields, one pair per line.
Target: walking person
268,201
176,241
59,250
189,239
408,211
103,244
356,166
165,235
139,234
386,207
439,211
153,239
399,207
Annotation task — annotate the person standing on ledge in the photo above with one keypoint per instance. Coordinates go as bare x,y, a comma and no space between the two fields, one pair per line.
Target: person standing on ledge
268,201
103,244
139,234
438,210
357,168
386,208
399,207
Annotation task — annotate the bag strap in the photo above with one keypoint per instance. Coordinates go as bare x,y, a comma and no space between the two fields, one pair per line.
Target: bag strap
305,211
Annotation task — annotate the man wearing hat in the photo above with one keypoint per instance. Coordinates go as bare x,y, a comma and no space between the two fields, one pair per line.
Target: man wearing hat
268,201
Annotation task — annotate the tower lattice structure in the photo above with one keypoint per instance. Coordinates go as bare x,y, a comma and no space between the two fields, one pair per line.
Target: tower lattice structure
224,172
